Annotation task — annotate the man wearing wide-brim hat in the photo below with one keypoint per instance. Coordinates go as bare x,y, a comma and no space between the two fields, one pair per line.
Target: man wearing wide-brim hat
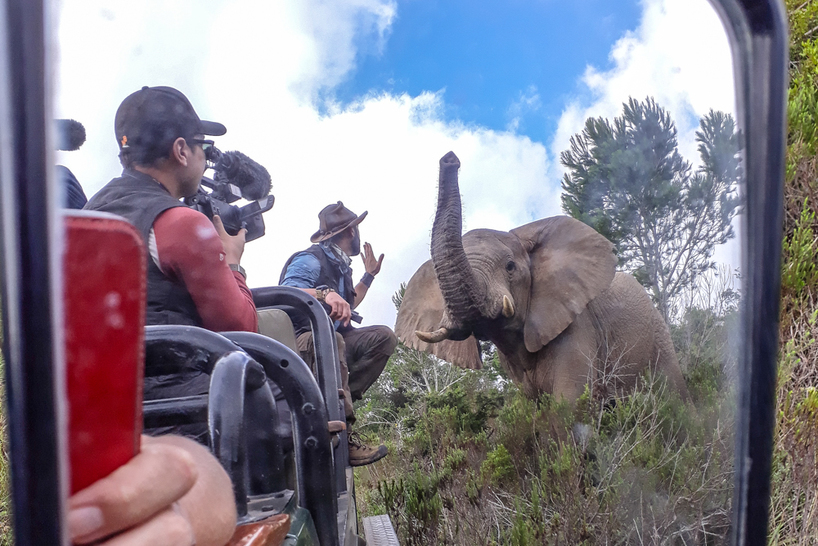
324,271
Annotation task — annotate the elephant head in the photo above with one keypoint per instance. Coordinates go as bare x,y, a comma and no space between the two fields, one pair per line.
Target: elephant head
518,289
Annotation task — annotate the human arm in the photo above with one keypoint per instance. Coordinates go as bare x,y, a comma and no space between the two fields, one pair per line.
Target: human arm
303,273
172,493
373,267
190,250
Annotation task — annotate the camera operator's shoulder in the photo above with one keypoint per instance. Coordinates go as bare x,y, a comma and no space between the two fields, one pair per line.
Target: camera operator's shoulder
184,222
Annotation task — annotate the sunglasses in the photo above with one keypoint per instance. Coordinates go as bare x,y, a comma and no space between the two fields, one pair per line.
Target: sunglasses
207,145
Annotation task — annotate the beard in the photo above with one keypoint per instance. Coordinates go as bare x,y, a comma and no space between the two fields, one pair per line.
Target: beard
355,245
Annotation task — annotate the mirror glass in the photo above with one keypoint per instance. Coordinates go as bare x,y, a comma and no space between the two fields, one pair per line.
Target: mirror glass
618,114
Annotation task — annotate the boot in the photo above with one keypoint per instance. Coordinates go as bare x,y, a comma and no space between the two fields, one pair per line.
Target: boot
361,454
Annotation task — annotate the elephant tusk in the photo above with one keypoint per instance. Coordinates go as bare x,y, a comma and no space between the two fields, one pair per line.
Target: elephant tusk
508,307
433,337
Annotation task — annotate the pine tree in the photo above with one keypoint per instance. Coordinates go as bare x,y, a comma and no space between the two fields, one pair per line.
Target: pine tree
627,180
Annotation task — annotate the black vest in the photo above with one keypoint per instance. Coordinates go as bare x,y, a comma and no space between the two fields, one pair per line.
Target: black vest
140,199
330,276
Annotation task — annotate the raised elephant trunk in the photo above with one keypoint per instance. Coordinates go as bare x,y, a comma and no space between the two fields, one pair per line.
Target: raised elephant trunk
452,268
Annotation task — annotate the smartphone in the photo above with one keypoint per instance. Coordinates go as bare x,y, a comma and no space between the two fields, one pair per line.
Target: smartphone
104,283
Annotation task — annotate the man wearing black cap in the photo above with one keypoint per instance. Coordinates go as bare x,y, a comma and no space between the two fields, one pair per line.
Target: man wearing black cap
324,271
194,276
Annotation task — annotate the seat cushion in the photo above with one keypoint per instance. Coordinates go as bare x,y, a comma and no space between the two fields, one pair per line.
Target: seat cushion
276,324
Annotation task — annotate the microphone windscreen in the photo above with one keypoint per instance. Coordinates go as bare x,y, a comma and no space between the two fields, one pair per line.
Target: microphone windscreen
70,134
251,178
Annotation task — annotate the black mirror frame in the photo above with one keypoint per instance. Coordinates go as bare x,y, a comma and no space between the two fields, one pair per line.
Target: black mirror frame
31,283
32,306
757,30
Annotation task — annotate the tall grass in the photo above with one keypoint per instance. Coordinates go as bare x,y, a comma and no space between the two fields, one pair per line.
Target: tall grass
651,470
794,498
6,536
480,464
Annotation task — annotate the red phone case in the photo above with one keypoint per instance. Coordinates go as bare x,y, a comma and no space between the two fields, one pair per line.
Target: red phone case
104,276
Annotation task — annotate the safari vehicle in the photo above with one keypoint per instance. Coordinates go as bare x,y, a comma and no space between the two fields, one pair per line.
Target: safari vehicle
290,482
34,336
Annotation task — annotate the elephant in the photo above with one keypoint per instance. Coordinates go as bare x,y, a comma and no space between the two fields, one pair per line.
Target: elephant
547,295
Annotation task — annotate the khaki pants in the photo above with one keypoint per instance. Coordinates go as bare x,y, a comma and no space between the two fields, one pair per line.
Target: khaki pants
363,353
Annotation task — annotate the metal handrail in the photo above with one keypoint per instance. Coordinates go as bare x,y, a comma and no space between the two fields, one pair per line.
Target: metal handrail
291,300
322,332
314,463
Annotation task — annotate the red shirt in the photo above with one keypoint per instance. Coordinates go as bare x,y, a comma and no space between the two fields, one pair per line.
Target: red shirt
189,251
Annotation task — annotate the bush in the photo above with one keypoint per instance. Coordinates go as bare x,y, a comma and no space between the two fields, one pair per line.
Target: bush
497,468
799,271
413,502
648,466
794,497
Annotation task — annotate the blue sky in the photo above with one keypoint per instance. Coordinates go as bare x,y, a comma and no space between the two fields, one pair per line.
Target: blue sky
490,62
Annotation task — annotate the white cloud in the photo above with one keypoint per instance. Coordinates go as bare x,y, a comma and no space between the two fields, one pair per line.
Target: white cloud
261,67
679,54
382,156
528,101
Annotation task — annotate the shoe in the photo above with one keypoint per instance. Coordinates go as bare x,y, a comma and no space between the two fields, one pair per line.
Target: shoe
361,454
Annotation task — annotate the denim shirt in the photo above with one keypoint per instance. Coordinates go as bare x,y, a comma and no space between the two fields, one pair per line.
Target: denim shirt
305,269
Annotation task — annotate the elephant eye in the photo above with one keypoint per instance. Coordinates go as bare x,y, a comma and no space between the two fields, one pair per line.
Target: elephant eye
510,267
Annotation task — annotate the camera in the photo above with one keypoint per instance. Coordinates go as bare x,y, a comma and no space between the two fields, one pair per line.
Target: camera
235,176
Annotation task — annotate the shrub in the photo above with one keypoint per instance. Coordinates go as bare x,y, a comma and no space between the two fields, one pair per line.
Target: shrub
413,501
497,468
799,271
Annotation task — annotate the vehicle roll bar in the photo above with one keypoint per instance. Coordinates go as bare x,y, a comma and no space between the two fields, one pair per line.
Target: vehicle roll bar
172,348
234,374
174,411
323,333
292,300
314,464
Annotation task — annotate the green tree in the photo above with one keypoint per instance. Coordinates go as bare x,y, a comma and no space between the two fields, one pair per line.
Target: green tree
627,179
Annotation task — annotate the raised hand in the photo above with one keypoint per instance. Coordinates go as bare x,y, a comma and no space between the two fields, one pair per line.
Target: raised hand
371,265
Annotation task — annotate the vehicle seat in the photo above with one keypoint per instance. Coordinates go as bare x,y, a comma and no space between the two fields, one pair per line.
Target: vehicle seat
276,324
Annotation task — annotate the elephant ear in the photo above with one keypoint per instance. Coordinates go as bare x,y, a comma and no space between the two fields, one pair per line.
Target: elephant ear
422,309
571,264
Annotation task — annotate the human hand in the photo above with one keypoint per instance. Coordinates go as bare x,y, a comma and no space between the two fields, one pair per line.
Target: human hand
173,492
340,309
371,265
139,496
233,244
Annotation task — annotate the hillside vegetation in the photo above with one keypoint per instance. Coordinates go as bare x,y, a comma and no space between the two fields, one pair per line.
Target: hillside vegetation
794,505
475,462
